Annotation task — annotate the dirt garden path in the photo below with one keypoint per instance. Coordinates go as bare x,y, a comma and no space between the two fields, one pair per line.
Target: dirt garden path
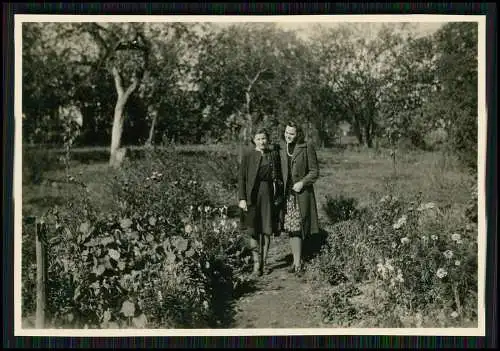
281,299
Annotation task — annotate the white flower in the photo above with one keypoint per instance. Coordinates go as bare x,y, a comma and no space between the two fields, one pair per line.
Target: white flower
188,229
457,263
400,222
370,227
454,314
434,237
424,238
389,266
381,270
448,254
455,237
380,267
427,206
405,240
385,198
441,273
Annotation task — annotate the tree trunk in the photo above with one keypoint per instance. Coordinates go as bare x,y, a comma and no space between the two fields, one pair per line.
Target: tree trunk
358,131
116,153
368,137
150,140
116,133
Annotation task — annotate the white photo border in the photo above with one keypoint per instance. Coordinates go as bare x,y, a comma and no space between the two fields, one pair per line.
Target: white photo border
19,19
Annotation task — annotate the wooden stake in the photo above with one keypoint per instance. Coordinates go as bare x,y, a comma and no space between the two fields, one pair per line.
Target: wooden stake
41,274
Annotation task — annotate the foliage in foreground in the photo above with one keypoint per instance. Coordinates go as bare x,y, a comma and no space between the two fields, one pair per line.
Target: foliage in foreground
417,258
161,257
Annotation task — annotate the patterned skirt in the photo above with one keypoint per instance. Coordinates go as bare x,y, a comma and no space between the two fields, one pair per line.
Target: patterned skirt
292,221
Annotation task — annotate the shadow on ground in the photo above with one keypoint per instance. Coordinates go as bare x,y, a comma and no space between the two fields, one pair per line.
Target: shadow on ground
312,246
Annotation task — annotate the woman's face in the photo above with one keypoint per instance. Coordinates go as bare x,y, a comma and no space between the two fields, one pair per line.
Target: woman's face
260,141
290,134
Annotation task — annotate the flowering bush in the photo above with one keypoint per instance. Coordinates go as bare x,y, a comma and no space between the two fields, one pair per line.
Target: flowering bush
346,256
433,260
119,272
161,185
162,257
420,257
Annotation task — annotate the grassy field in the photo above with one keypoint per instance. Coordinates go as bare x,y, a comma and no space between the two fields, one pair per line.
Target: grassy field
355,174
364,176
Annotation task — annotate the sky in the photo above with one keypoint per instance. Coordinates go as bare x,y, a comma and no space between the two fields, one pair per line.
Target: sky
304,29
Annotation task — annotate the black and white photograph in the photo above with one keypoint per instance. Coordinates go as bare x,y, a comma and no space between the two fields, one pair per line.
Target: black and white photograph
249,175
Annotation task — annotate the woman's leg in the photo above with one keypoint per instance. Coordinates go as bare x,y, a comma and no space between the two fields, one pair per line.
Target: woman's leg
255,248
265,249
296,247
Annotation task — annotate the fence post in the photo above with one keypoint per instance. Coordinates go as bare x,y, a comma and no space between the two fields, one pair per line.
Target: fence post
41,274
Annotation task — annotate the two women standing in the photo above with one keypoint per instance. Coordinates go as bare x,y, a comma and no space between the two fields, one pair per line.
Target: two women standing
269,207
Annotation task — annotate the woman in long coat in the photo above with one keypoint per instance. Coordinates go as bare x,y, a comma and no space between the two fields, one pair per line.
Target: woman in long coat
300,170
257,197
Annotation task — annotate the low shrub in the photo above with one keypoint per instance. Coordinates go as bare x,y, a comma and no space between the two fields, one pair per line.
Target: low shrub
162,256
422,258
340,208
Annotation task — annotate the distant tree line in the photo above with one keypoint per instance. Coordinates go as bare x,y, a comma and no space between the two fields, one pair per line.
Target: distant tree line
150,83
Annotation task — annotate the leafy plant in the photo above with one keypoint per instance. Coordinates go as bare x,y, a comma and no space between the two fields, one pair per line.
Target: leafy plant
162,257
340,208
422,259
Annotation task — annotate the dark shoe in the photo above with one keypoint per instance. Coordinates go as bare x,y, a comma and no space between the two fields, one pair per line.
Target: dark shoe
255,274
299,272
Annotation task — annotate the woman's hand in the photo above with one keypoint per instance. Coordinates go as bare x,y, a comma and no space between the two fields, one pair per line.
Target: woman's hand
243,205
297,187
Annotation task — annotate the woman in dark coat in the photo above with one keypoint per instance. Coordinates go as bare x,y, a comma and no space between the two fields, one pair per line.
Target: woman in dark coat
257,195
299,165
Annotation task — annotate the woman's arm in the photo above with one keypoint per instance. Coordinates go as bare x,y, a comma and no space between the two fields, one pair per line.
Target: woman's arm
242,178
313,166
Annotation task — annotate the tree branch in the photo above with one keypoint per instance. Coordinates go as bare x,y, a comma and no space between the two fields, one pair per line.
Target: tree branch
93,30
252,81
118,80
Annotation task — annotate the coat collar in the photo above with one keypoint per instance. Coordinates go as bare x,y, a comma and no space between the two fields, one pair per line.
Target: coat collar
298,149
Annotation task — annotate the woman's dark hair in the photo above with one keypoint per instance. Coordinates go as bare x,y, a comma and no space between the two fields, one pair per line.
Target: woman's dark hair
300,138
260,131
